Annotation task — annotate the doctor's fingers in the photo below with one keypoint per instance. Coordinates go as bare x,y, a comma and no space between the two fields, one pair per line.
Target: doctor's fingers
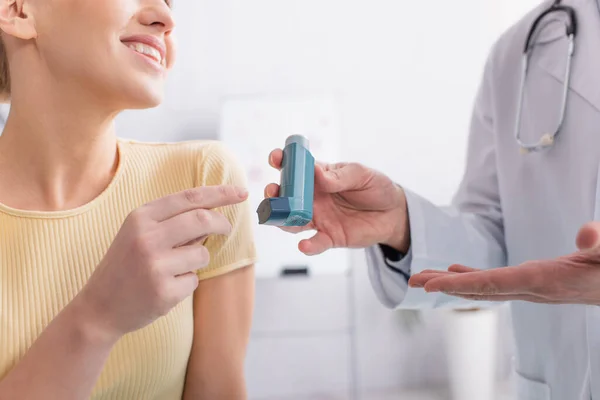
318,244
271,190
525,279
419,280
275,158
342,177
453,268
504,298
588,236
462,269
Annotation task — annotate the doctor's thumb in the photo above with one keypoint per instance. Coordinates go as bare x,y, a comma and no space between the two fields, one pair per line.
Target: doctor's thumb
336,178
589,236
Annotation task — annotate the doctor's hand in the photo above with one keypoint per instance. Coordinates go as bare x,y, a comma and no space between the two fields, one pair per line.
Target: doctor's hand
572,279
354,207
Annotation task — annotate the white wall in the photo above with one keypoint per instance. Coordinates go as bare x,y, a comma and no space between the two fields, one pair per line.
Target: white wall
405,76
405,73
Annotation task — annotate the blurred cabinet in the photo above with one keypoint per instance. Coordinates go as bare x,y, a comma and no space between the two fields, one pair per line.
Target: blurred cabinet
302,305
315,367
301,344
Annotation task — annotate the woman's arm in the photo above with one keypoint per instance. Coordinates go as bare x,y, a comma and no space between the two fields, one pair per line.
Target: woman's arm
139,279
223,317
64,362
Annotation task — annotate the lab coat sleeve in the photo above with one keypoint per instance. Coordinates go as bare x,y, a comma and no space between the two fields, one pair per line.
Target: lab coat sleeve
469,232
389,284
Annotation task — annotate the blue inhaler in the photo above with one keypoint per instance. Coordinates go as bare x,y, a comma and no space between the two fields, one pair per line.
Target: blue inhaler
294,206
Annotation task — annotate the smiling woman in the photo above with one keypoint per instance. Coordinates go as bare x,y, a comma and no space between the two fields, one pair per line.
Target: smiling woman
150,48
126,269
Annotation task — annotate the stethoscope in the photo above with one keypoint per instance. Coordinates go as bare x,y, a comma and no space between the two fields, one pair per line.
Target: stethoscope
547,140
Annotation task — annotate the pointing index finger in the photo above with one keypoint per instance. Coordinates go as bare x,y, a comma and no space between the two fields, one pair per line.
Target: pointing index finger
205,197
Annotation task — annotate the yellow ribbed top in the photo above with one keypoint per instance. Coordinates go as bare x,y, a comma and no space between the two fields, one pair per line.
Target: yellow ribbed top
47,257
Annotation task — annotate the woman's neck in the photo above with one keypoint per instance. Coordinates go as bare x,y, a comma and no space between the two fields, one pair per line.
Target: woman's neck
57,156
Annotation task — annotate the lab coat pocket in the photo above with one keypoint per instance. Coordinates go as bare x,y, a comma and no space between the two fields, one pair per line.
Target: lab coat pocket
528,389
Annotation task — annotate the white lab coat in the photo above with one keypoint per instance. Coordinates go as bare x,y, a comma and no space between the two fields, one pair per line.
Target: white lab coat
511,208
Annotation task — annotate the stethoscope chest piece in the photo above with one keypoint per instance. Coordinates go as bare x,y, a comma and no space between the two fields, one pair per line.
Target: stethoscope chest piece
546,141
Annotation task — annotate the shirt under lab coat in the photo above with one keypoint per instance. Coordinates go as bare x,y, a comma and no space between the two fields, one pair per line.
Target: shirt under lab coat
511,207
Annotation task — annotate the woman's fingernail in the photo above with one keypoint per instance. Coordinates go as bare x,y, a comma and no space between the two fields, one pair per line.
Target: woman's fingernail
242,192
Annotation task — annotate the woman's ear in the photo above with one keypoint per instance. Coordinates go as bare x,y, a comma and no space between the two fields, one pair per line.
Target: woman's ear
15,20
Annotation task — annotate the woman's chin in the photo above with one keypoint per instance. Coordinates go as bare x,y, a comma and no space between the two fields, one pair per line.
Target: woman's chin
134,89
144,100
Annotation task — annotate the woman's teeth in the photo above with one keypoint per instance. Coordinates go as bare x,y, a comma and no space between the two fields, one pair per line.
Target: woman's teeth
147,51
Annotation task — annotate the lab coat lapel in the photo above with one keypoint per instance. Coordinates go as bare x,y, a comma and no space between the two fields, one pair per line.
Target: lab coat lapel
585,77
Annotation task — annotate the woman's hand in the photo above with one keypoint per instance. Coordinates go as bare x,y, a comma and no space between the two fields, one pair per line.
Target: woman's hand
150,267
354,207
572,279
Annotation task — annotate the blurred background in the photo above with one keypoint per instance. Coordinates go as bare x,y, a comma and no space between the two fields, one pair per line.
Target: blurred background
384,82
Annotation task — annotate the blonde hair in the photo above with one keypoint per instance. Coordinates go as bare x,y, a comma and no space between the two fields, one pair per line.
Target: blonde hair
4,73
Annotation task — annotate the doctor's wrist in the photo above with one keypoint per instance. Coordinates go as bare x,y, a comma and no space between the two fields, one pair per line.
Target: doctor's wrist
399,238
400,243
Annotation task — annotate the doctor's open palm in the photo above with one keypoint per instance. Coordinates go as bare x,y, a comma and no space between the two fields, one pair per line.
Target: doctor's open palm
570,279
354,207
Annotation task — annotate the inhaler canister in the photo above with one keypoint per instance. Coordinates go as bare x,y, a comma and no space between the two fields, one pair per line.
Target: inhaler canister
294,206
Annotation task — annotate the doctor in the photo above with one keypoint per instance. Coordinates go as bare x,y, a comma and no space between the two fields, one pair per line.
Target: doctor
529,193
